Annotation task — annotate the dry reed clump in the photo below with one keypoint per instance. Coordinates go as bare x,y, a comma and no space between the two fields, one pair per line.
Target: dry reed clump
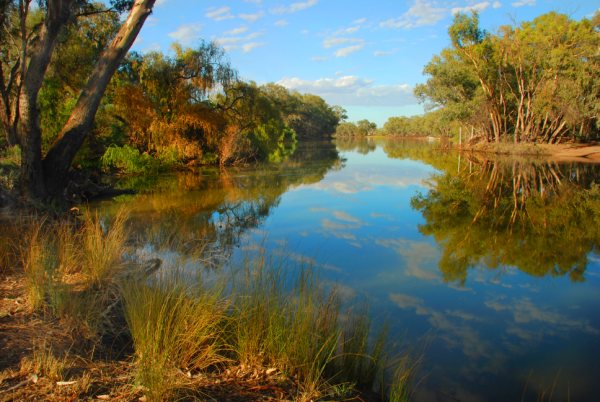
39,261
103,247
71,269
44,363
175,327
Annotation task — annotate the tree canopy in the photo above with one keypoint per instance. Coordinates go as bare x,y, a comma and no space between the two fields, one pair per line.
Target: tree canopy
71,95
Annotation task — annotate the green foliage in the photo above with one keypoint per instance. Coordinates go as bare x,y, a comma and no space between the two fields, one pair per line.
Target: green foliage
10,161
128,160
536,82
308,115
272,142
435,124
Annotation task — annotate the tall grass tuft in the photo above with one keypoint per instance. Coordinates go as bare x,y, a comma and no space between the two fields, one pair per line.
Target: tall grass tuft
361,356
285,321
71,269
8,250
174,325
403,379
40,261
44,363
103,247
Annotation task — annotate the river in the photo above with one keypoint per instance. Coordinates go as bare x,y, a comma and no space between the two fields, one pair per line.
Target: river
487,269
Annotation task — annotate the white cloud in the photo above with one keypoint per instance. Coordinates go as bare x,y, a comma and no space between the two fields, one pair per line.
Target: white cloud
420,258
245,43
248,47
294,7
522,3
345,51
473,7
237,31
350,30
333,42
320,59
219,14
281,23
187,33
381,53
421,13
353,91
496,4
360,21
252,17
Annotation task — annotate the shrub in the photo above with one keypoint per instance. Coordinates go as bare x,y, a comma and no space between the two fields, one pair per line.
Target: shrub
128,160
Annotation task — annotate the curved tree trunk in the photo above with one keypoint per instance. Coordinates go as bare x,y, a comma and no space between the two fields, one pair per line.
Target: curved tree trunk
60,156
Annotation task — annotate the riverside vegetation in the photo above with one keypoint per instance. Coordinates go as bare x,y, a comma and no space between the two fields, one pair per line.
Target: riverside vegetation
256,332
537,82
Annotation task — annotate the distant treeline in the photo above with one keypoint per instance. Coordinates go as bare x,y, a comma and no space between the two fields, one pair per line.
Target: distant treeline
426,125
535,82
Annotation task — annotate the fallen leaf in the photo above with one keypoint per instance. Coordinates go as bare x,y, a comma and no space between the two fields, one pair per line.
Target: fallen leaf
61,383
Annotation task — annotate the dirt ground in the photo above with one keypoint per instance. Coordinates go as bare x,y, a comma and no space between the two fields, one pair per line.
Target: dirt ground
568,152
92,373
574,152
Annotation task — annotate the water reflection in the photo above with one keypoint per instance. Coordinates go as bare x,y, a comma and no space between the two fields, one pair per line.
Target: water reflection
204,214
362,145
481,259
541,217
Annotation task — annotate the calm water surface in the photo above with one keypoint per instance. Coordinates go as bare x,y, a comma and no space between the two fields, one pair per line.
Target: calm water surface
487,268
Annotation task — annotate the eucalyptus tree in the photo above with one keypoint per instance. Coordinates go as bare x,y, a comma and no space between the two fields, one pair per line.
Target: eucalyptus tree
551,74
535,82
30,36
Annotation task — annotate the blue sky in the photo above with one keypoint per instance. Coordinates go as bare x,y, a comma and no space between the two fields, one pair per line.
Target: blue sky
363,55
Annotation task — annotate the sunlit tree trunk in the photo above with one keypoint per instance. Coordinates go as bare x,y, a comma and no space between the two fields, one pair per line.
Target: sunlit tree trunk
60,156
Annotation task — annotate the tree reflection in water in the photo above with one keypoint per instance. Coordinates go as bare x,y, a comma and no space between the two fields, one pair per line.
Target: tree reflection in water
541,217
202,215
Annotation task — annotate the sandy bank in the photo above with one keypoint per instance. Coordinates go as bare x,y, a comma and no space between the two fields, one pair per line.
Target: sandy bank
588,153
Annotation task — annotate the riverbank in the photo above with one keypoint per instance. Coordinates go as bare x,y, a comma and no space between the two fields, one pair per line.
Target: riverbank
79,321
569,152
